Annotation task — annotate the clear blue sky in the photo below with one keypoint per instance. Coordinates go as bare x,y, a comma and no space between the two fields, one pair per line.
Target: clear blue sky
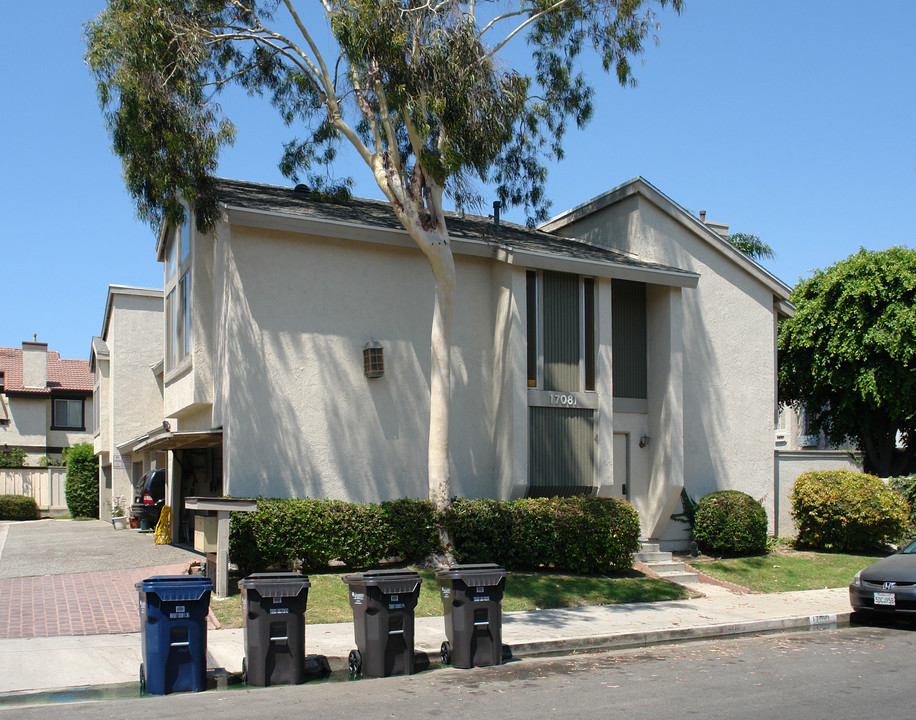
791,119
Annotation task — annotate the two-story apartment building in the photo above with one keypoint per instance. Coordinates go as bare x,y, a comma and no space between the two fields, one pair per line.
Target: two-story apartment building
126,365
43,401
625,348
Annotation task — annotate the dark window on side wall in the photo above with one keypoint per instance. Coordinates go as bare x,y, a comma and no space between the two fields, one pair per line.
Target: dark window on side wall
588,311
532,289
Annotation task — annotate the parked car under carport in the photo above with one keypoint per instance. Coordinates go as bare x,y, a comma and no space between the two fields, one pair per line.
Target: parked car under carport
149,497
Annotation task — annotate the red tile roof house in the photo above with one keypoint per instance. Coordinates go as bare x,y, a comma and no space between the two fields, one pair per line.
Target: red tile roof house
42,401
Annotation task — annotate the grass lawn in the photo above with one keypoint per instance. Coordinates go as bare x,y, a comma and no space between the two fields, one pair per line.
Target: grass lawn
784,569
328,601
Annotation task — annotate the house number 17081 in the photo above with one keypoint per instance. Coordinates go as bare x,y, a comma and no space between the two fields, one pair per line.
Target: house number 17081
563,399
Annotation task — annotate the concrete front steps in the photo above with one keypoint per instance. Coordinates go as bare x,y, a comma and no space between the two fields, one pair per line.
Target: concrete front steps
663,565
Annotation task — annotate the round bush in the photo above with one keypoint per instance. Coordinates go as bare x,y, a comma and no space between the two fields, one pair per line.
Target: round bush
18,507
730,522
846,510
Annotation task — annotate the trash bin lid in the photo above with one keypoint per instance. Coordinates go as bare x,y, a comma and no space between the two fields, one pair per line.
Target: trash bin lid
278,584
176,588
388,581
483,574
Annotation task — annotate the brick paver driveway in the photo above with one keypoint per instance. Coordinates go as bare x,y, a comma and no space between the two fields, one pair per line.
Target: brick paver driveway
63,577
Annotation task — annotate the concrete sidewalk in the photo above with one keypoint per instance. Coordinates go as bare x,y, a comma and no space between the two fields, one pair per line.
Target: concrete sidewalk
72,661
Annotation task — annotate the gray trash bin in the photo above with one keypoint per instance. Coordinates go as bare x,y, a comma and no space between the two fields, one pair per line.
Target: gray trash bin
472,599
383,603
273,606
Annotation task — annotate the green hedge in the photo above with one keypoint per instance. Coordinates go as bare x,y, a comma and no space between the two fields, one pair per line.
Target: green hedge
730,522
577,534
582,534
82,485
849,511
18,507
312,533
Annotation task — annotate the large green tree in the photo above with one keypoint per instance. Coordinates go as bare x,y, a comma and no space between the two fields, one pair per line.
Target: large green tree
848,355
419,89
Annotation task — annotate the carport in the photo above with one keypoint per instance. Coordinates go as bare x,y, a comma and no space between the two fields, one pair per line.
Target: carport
194,469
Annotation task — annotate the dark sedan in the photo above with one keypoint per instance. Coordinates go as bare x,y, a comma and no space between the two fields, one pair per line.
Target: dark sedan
888,585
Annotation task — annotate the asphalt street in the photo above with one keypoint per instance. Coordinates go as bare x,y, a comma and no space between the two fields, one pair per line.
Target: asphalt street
857,672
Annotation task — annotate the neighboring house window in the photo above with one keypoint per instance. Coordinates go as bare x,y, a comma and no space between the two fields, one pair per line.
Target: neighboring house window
628,339
561,331
67,414
178,296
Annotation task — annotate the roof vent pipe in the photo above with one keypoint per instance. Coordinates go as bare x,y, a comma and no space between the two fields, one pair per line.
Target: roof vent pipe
496,206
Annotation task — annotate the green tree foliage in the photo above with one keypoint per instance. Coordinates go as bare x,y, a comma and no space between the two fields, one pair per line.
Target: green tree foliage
81,487
847,511
730,522
848,355
752,246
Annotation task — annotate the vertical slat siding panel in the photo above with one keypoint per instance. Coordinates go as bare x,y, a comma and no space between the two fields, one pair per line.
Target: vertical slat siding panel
628,337
561,331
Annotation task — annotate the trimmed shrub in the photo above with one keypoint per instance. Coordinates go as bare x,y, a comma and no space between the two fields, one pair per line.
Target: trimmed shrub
82,485
906,486
18,507
14,457
846,510
730,522
312,533
577,534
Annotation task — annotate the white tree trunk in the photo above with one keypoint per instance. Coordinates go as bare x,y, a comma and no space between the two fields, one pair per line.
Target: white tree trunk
443,266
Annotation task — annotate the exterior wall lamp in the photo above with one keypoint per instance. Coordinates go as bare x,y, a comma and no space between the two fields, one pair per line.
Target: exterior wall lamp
373,359
643,441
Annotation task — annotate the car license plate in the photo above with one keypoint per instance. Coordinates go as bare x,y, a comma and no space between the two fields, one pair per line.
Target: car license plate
884,599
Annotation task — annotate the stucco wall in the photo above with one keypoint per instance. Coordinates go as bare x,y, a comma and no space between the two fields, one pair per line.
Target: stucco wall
726,326
299,417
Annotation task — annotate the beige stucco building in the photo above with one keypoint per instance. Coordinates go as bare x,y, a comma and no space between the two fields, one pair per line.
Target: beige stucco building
43,402
126,366
624,348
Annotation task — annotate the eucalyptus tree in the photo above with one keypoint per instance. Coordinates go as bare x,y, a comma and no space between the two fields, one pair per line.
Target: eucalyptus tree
419,89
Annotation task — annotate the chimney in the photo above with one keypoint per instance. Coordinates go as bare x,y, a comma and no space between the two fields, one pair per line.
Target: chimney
702,216
35,364
496,206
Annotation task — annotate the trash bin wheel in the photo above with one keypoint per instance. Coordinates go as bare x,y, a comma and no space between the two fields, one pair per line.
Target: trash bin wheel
142,678
244,671
355,662
446,652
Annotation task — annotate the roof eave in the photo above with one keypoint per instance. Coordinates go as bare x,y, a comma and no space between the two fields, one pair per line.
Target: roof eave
641,186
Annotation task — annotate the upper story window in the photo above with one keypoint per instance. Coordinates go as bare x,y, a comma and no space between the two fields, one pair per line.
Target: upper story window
561,331
178,296
67,414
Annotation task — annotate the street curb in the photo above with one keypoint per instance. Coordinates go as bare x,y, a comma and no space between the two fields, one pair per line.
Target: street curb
656,637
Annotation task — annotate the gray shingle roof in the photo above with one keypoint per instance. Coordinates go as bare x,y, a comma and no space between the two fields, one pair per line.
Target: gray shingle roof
376,213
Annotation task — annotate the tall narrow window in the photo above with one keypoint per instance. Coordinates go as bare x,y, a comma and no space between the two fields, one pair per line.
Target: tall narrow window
532,280
629,339
178,296
588,318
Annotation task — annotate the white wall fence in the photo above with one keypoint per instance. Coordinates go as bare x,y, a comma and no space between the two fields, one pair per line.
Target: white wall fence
45,484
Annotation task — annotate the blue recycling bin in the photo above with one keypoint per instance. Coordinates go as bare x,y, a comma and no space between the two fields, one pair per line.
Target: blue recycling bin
173,631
